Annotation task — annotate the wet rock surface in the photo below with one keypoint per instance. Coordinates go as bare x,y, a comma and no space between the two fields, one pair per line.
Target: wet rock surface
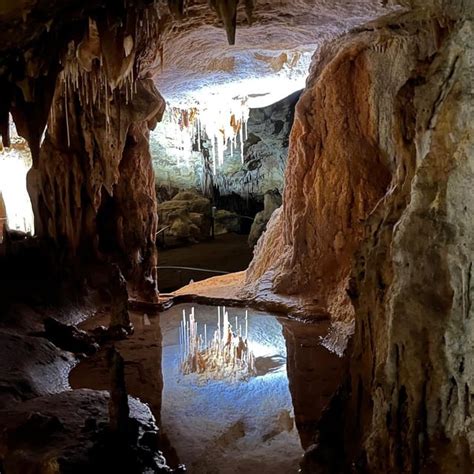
69,338
31,367
68,432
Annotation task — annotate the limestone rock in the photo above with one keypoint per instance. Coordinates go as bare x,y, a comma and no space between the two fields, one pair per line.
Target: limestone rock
272,201
378,201
330,189
67,432
226,221
188,217
411,377
119,316
30,367
69,338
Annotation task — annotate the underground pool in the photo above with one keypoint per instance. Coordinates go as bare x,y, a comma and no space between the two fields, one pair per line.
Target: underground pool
259,420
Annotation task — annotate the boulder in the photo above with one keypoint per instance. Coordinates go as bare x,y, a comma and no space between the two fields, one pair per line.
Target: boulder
226,221
187,217
272,201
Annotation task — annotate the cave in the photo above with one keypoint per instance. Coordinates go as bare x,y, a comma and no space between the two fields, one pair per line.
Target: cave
236,236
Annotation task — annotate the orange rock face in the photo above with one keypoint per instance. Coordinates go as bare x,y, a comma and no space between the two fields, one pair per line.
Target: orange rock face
379,192
335,176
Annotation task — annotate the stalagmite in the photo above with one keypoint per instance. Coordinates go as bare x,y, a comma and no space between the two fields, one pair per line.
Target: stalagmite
119,317
66,114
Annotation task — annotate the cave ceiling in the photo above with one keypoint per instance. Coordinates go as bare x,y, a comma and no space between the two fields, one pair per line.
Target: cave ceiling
276,46
274,42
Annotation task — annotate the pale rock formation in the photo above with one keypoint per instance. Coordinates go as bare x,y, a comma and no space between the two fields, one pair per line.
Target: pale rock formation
379,186
271,202
261,168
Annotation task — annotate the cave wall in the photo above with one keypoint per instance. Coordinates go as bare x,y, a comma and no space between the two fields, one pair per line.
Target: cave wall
84,77
336,174
377,226
412,375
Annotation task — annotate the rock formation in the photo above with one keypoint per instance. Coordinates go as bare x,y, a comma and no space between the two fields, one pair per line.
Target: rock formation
377,207
412,384
186,217
120,324
271,202
119,410
261,168
375,229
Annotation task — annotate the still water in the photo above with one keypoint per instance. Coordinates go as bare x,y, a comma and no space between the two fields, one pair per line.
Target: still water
256,424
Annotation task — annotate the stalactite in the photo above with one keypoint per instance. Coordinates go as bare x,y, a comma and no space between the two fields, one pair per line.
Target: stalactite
176,7
227,12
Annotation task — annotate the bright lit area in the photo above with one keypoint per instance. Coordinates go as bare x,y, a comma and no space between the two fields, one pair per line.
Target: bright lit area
15,162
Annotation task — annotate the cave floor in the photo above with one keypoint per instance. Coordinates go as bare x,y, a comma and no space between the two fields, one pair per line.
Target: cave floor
227,252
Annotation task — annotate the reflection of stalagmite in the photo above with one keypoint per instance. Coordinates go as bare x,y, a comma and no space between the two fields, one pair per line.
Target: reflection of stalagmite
227,355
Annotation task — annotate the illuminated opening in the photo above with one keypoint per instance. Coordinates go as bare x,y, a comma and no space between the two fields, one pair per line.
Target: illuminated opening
219,110
15,163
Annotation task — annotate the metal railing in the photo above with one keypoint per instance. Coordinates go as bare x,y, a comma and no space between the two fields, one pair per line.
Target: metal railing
188,269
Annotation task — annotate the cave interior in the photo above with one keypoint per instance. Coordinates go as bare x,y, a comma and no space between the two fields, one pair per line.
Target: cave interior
236,236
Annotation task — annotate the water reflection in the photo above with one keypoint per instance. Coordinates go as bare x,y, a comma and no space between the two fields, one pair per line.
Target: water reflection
258,425
314,374
142,354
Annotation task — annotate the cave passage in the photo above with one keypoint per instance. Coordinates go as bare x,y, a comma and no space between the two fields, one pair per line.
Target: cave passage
219,178
236,236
